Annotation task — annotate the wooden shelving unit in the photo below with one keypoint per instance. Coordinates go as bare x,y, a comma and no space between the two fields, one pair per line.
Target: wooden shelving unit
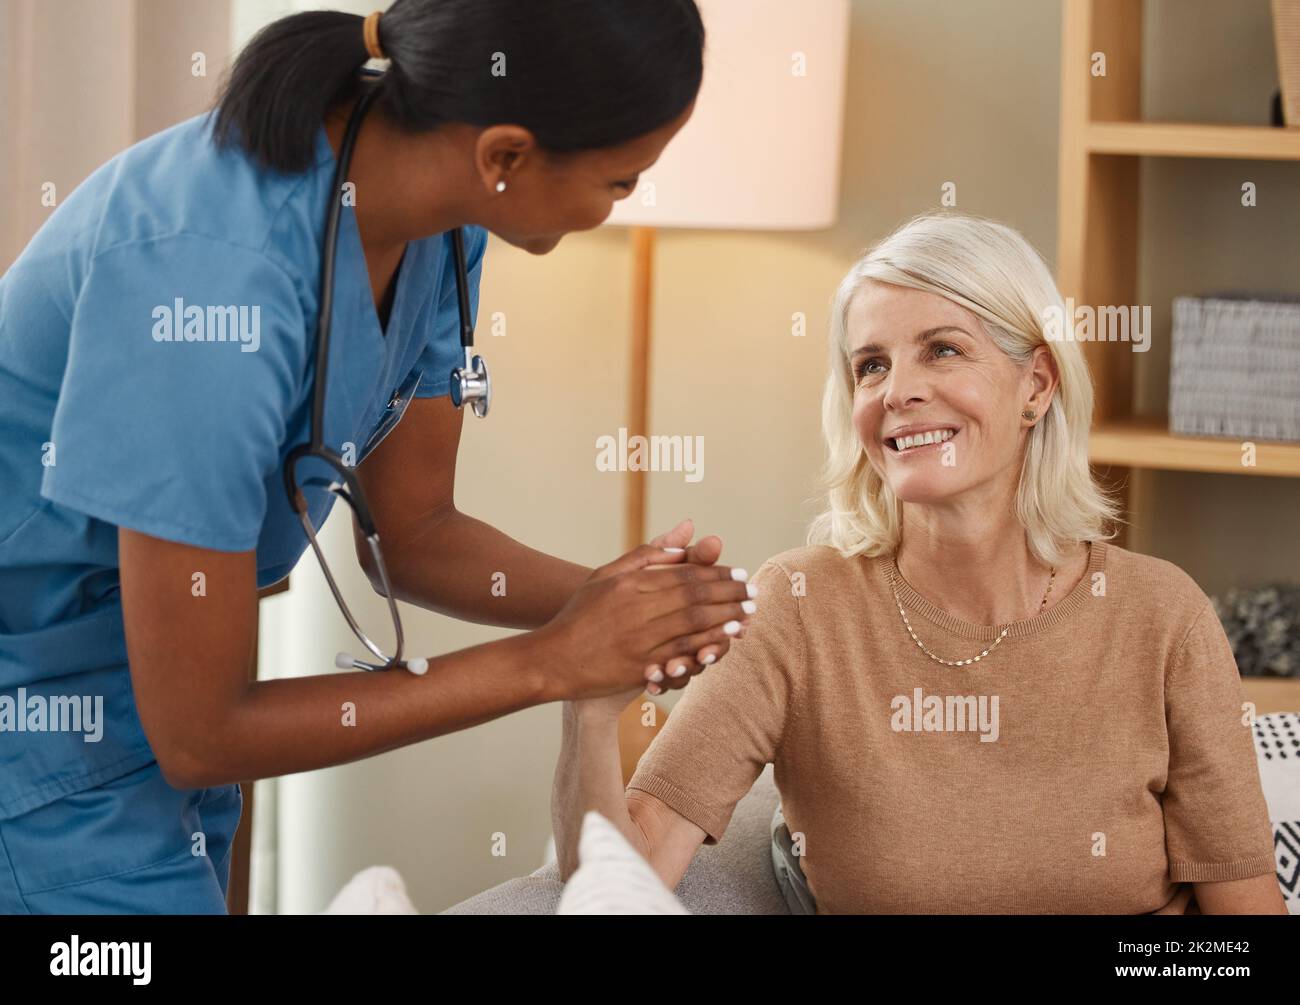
1103,138
1140,442
1102,141
1186,139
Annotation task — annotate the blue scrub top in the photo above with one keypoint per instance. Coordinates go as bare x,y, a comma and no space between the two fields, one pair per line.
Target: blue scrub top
156,367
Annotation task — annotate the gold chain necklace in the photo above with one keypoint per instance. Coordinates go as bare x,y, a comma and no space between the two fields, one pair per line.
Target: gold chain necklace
895,572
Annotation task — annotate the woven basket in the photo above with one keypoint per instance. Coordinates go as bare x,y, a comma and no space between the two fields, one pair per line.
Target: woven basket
1235,368
1286,33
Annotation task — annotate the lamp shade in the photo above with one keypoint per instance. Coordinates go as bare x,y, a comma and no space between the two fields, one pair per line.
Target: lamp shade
762,148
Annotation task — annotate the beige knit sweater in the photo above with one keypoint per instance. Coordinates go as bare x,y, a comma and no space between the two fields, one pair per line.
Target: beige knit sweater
1097,757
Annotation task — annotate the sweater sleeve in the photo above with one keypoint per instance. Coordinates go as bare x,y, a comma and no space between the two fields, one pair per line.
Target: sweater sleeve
729,722
1216,820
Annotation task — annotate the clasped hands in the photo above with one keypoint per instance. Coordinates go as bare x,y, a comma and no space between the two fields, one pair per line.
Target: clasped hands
649,621
678,671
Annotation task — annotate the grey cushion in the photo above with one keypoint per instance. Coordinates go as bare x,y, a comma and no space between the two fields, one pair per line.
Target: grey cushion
732,877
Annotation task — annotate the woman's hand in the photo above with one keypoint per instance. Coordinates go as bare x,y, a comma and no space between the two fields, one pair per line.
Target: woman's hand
648,607
659,678
678,672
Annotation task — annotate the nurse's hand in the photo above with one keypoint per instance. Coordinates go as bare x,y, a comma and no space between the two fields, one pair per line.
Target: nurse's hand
647,607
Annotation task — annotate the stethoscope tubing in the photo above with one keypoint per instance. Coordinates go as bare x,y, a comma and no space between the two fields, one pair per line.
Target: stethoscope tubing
468,384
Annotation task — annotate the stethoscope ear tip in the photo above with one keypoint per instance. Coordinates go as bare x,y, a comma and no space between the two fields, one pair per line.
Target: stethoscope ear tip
418,666
344,661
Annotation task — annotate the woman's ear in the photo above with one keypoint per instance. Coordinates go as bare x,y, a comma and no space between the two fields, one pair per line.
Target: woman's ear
1043,380
500,152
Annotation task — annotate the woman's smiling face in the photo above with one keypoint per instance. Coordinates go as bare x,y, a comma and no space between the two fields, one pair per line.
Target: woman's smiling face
923,363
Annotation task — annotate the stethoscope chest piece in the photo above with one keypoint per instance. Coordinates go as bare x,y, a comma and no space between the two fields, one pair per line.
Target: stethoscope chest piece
471,385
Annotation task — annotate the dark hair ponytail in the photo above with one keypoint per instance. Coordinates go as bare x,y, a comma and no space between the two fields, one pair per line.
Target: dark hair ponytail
283,83
579,74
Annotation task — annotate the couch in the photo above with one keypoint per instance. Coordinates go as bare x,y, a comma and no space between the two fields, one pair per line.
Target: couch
735,876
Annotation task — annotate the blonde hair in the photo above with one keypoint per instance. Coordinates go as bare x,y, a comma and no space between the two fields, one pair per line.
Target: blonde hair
991,270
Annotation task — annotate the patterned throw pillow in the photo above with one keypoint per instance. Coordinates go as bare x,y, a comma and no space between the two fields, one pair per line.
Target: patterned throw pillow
1277,745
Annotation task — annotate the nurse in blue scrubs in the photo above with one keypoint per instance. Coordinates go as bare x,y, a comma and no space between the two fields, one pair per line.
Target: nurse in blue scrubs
141,456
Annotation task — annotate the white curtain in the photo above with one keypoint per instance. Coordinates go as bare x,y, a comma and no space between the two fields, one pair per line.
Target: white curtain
83,80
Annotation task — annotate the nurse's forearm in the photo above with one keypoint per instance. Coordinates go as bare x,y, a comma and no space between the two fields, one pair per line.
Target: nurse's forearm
465,568
280,727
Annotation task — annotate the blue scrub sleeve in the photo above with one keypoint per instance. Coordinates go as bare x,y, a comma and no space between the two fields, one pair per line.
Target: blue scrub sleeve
443,351
161,426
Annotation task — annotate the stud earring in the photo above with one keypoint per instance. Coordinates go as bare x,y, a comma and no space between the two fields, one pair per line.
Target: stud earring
1029,413
501,185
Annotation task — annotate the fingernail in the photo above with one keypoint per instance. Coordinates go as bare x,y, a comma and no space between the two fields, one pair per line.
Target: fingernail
709,659
678,670
731,627
675,550
748,606
751,589
657,676
739,574
654,689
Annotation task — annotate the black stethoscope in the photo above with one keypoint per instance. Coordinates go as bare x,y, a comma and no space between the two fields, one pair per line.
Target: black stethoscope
470,385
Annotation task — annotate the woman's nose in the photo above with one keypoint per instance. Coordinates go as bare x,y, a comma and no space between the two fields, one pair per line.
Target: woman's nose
905,385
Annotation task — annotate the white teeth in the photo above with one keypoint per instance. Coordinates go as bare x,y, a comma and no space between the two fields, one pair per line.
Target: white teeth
922,439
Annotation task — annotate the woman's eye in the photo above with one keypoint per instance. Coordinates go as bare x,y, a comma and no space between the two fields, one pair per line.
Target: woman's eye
864,368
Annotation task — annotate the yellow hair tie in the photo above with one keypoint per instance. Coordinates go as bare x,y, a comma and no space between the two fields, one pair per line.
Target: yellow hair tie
370,29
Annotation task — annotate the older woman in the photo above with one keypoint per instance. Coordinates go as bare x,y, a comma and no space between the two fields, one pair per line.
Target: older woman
973,702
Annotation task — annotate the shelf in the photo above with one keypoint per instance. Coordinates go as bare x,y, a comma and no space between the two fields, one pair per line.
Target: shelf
1147,443
1187,139
1273,694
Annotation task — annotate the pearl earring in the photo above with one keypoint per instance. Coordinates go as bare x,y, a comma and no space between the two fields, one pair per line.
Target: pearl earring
501,185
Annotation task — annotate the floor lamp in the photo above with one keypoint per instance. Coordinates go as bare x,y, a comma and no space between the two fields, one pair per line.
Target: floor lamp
761,152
